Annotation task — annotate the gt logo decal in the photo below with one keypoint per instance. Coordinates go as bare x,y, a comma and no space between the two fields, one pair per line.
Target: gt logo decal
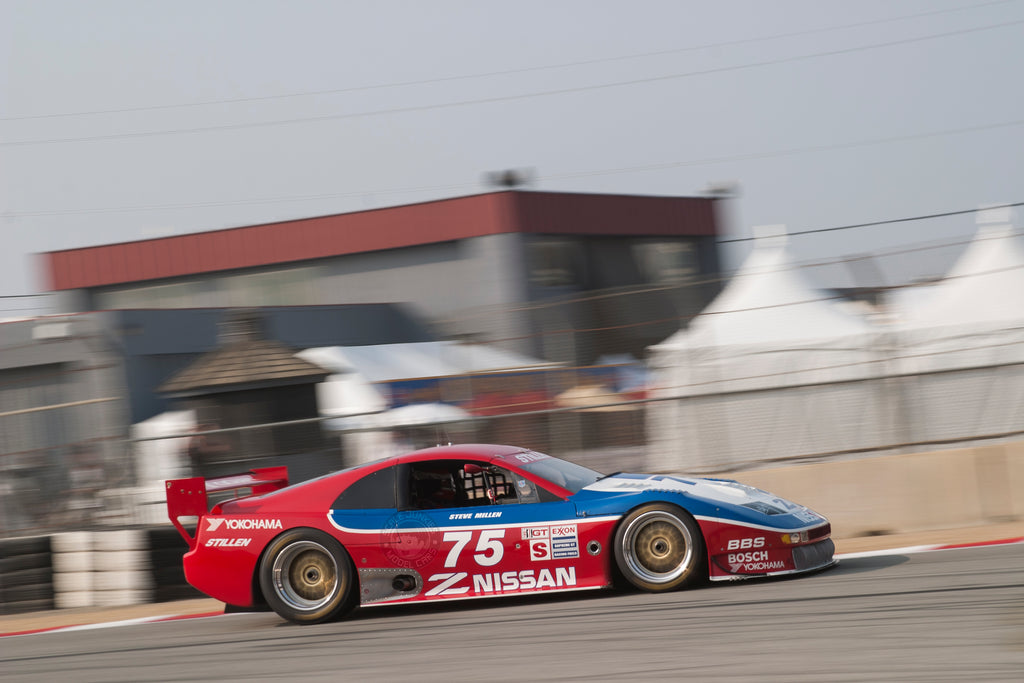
489,549
745,543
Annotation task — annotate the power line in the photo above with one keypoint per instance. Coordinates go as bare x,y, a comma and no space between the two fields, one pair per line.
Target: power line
506,72
584,297
507,98
885,222
789,152
555,176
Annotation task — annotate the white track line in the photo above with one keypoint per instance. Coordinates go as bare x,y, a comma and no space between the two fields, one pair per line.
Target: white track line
911,549
907,550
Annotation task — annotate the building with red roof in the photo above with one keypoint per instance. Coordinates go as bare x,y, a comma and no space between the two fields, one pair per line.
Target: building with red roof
514,267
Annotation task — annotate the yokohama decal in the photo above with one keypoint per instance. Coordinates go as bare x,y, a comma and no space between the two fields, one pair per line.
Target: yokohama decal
215,523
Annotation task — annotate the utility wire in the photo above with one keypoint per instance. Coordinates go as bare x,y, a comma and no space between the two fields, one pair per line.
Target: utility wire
722,279
551,177
509,98
505,72
890,221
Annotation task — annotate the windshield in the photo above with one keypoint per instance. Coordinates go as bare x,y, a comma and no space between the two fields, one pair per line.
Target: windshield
562,473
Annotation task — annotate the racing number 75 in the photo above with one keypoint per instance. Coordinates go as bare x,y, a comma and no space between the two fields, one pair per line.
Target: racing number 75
489,549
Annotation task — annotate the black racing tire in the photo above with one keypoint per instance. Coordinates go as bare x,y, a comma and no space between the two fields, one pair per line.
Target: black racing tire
26,592
168,576
24,546
19,562
23,606
27,577
659,548
307,577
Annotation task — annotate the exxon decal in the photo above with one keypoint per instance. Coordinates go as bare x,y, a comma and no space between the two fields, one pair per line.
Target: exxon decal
214,523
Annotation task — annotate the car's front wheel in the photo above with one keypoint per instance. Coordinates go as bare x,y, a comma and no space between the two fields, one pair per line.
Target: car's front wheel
307,577
659,547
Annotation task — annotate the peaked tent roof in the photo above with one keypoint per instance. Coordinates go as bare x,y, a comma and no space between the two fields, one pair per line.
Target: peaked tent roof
985,283
768,302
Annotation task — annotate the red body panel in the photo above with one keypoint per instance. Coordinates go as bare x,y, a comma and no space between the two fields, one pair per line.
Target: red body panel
462,552
736,551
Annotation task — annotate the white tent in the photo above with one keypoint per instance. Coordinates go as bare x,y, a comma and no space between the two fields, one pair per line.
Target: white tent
975,315
162,458
357,371
354,394
965,342
769,326
771,368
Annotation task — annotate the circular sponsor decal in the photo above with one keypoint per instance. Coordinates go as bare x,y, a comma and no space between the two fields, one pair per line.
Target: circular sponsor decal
410,540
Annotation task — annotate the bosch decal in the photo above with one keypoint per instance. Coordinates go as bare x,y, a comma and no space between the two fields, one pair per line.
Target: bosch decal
740,558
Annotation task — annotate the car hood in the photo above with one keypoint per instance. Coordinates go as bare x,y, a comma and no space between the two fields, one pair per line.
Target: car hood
717,492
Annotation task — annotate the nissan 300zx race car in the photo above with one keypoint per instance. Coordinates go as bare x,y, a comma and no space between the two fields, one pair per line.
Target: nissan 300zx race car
473,521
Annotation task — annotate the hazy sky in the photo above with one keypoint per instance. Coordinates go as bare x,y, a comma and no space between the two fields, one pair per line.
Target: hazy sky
134,119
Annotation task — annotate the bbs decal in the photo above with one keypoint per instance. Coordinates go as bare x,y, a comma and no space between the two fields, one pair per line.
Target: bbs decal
745,543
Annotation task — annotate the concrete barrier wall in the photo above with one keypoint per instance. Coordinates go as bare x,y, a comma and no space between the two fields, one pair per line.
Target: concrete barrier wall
905,493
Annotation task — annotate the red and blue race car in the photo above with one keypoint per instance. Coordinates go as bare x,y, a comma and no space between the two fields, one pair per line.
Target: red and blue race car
473,521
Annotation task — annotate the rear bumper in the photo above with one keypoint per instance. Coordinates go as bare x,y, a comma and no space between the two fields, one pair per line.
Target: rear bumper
225,576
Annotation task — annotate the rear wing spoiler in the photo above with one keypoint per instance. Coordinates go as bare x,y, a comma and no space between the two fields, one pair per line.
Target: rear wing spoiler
188,497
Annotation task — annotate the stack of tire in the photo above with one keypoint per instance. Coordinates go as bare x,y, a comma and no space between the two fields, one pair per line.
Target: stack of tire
92,569
26,575
101,568
166,546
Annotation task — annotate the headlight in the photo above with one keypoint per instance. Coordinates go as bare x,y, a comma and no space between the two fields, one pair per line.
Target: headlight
795,537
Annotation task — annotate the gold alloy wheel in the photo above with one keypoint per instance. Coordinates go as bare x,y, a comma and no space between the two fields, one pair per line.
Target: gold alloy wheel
305,576
657,547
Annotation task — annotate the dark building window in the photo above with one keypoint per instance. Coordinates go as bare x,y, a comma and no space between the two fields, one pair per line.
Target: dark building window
666,262
555,262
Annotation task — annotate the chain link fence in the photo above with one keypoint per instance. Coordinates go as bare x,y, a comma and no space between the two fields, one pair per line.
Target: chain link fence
69,460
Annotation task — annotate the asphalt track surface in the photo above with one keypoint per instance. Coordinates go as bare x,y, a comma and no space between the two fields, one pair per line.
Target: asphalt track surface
953,615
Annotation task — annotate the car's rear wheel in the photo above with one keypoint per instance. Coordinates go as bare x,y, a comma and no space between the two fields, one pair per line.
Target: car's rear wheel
659,547
307,577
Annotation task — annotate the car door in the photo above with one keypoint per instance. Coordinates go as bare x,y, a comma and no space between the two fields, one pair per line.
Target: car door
492,534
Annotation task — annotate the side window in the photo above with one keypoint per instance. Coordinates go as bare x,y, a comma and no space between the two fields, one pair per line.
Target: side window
450,483
374,491
432,485
526,489
491,485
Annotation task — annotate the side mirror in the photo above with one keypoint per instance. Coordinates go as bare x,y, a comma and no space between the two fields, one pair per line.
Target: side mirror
472,468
